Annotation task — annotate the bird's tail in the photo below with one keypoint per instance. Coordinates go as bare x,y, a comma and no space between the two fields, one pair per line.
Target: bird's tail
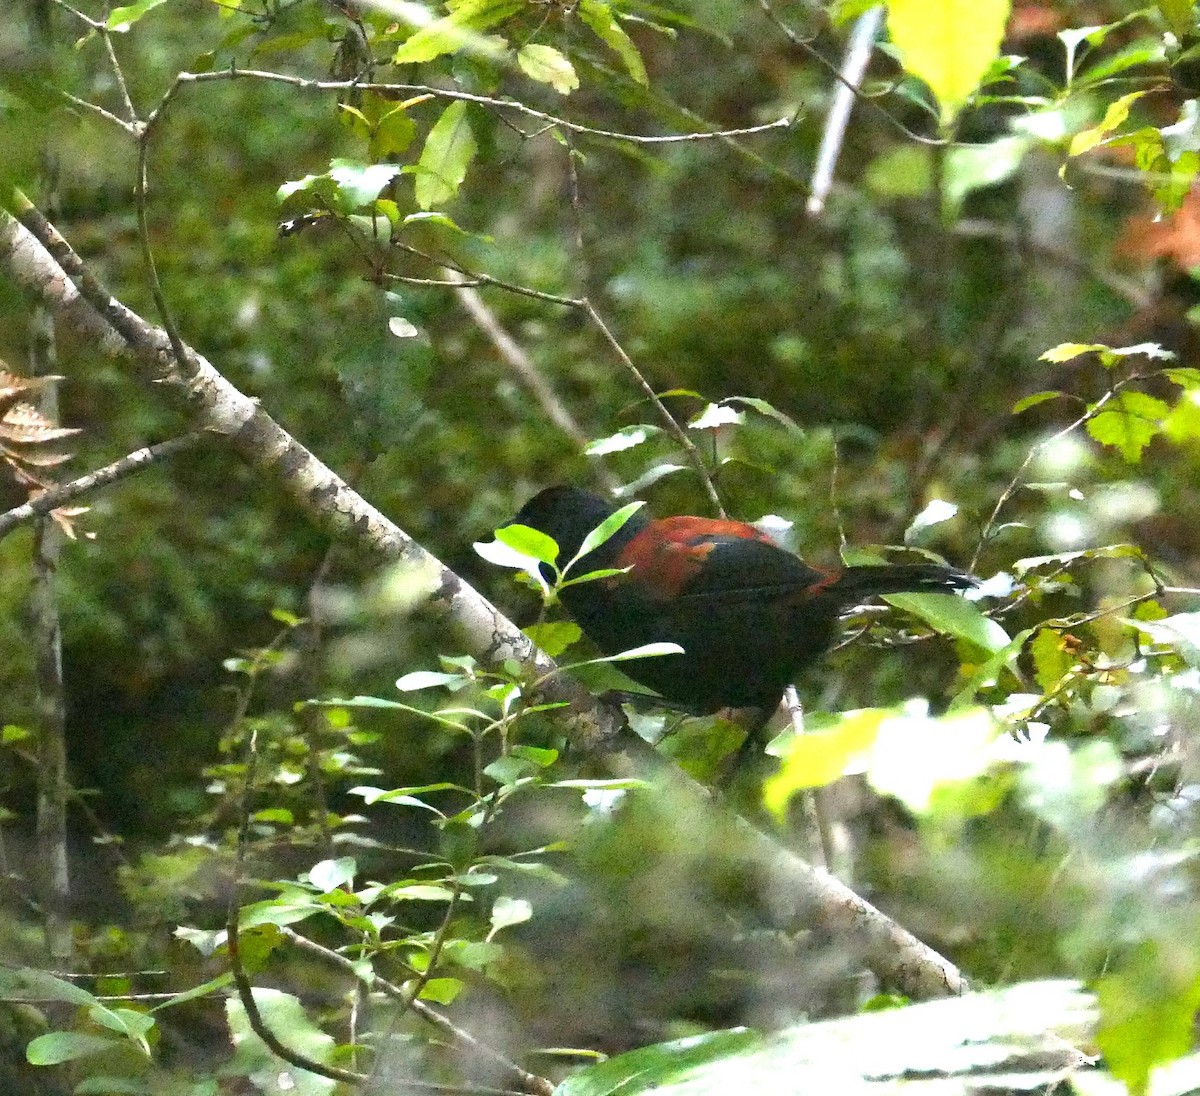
856,583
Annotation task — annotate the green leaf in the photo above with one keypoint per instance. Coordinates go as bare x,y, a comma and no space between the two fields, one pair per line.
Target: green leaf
1033,399
288,1020
975,167
1051,659
603,24
460,30
509,911
538,755
554,637
1114,117
1184,376
1147,1011
528,542
903,171
607,528
1182,423
1145,51
509,770
415,892
820,756
121,19
548,66
1178,14
1129,421
276,911
66,1046
442,991
950,44
654,1067
954,616
763,407
625,438
448,152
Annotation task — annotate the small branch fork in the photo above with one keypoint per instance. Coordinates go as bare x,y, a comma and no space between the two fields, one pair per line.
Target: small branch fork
63,493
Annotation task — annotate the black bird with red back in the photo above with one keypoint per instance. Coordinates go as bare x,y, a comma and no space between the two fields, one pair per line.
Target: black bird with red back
748,614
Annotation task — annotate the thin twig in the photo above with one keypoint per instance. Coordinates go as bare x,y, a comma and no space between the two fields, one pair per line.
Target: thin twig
1034,450
467,97
105,115
530,1082
816,819
673,428
514,356
483,279
806,44
854,67
64,492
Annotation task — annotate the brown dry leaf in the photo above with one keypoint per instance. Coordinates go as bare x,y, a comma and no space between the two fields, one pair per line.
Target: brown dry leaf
62,515
11,385
24,424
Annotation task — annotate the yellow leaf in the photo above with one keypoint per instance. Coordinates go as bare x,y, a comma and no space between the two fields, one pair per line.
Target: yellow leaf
821,756
950,44
1114,117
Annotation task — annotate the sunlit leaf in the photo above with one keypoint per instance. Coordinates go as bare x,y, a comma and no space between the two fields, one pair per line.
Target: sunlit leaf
603,23
427,679
122,18
823,755
328,874
460,30
714,416
607,528
1129,422
448,152
950,44
1114,117
625,438
548,66
935,512
1033,399
509,911
1147,1012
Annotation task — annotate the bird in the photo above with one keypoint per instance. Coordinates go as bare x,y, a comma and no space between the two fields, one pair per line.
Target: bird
748,614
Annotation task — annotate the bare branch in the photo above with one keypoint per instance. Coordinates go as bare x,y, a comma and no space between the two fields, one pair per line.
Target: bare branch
854,66
93,481
482,100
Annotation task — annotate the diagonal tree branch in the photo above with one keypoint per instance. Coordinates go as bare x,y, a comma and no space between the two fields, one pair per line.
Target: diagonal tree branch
61,493
35,256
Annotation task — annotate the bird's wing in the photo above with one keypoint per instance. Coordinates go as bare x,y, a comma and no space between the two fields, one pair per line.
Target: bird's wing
704,560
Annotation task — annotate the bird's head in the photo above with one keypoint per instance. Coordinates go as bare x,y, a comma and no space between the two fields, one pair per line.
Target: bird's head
568,514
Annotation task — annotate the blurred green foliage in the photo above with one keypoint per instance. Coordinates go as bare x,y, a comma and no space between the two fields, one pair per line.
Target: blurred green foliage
891,337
